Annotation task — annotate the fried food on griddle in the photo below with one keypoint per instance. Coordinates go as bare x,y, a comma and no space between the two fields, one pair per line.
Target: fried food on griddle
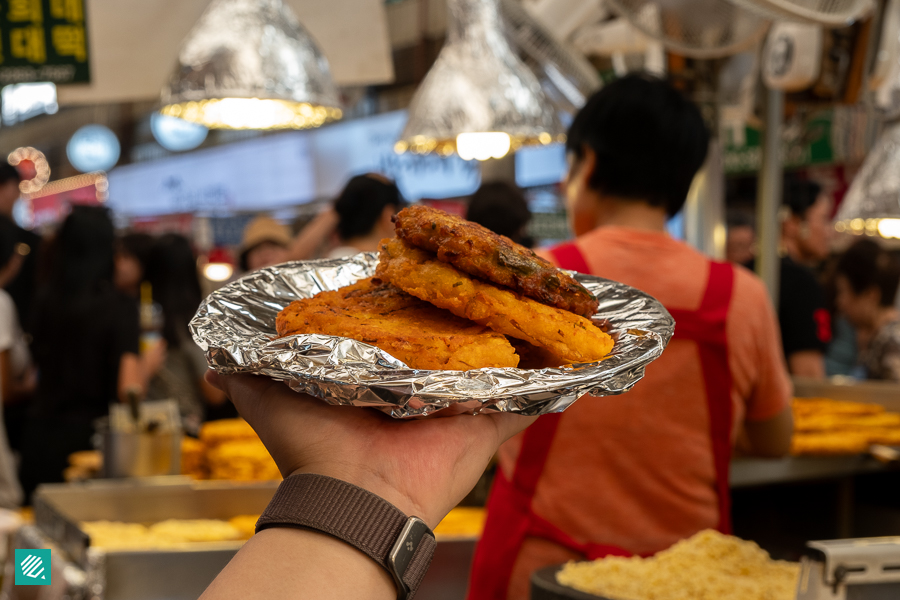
569,336
416,332
482,253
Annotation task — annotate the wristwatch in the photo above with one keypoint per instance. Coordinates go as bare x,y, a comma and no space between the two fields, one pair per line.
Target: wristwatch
402,545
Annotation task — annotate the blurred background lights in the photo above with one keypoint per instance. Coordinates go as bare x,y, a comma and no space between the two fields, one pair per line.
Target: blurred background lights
252,113
93,148
23,101
482,145
177,135
889,228
32,166
217,271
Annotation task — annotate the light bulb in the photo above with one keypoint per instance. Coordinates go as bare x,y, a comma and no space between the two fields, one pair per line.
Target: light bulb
252,113
217,271
482,145
889,228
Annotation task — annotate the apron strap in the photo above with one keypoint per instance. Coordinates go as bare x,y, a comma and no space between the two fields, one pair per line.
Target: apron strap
707,327
568,256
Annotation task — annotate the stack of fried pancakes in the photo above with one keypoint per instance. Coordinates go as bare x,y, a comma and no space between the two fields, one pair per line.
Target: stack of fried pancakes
450,294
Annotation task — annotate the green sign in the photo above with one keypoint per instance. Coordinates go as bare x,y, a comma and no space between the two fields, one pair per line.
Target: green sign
810,145
43,40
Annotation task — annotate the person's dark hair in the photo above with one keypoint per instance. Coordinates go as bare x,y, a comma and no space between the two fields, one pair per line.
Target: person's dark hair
502,208
83,252
649,139
8,173
799,195
9,236
172,272
137,245
362,202
865,264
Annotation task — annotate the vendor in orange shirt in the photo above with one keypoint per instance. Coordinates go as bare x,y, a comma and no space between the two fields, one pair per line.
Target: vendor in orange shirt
633,474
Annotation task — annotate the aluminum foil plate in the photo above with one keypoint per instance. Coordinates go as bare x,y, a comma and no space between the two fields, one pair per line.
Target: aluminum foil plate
235,326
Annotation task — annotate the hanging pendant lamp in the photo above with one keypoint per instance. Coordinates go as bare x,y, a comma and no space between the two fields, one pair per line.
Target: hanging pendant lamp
478,99
249,64
872,204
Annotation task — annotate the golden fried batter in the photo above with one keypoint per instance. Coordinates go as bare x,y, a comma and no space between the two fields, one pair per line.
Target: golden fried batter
567,335
482,253
419,334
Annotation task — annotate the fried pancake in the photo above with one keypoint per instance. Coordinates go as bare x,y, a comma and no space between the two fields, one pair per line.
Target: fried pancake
810,423
482,253
416,332
829,443
826,406
569,336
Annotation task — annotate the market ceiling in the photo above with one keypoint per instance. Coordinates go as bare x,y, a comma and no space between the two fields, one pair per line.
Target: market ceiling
134,44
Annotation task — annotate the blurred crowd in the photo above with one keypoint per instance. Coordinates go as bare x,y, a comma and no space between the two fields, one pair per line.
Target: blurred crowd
838,309
89,316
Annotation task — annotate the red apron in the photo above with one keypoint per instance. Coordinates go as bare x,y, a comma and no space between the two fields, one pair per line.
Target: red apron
511,518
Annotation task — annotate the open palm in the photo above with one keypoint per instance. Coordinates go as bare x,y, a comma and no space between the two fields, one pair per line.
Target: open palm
424,467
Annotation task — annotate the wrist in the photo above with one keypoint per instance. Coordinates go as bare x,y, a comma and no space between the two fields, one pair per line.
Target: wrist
375,484
402,545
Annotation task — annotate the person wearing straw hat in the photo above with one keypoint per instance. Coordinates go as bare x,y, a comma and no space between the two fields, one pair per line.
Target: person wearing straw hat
265,242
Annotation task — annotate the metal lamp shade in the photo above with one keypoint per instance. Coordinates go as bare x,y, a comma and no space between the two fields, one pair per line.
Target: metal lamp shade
477,85
249,64
872,204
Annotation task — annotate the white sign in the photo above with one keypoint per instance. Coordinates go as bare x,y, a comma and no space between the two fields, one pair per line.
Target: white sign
93,148
367,145
286,169
25,100
261,174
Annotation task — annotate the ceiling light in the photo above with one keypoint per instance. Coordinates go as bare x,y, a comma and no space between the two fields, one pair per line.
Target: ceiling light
873,200
249,64
482,146
478,85
889,228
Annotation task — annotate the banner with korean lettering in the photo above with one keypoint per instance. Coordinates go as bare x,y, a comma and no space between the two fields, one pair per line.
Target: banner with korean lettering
43,40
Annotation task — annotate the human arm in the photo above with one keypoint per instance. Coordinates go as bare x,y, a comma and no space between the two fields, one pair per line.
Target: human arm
759,370
770,438
14,387
807,363
311,237
423,467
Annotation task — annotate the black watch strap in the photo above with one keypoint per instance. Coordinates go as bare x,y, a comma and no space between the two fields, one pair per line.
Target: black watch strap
402,545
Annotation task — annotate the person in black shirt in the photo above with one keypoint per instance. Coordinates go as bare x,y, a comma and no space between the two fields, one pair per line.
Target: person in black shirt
802,310
85,347
22,287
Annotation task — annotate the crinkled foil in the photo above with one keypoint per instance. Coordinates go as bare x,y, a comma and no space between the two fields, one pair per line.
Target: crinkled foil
235,326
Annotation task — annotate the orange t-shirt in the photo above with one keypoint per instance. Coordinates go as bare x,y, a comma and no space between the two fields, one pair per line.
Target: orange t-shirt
636,471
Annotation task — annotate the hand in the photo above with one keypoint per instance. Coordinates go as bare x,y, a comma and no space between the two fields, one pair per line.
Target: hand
424,466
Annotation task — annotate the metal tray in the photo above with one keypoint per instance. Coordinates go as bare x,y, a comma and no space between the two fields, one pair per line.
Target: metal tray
171,573
544,587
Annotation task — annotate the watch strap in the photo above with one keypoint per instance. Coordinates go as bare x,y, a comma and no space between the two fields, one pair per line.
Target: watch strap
358,517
